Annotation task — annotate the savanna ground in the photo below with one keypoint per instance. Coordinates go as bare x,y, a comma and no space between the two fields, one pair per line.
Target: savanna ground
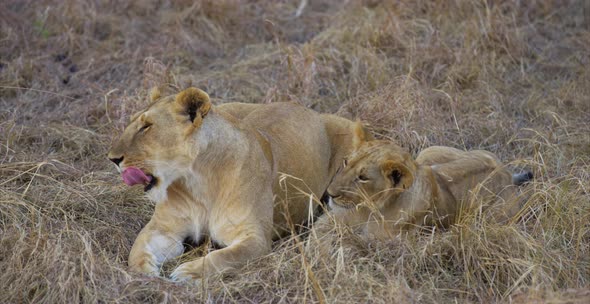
512,77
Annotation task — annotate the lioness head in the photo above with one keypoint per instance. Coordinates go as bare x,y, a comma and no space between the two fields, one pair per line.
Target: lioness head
159,143
376,172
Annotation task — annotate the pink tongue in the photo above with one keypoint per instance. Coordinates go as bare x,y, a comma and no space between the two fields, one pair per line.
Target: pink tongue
133,176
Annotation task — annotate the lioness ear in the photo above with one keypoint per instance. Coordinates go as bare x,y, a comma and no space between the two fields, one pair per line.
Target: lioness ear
194,103
158,91
400,175
358,135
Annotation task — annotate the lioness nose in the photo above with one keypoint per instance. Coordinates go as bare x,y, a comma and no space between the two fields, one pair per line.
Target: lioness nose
117,161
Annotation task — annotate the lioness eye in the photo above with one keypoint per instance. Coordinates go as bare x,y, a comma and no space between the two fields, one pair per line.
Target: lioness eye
345,162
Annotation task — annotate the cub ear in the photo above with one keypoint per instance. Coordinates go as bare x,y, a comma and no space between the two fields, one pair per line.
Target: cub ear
193,103
358,135
398,173
155,93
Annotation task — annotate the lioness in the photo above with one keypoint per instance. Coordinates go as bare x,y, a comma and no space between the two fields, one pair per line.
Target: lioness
382,190
241,174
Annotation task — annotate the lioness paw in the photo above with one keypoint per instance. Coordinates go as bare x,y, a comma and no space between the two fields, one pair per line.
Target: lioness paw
145,266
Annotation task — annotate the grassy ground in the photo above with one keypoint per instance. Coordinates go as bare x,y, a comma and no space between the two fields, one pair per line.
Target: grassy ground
512,77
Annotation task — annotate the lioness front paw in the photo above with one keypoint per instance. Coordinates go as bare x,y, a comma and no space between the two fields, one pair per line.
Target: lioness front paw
145,266
189,271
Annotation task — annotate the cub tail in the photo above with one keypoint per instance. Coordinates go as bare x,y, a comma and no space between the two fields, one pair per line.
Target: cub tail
522,178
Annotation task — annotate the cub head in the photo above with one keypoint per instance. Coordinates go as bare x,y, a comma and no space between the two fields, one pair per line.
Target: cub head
161,141
375,173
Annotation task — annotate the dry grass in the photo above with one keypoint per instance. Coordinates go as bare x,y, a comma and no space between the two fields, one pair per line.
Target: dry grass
512,77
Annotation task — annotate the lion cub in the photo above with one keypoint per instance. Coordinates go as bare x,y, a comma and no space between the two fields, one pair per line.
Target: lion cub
382,190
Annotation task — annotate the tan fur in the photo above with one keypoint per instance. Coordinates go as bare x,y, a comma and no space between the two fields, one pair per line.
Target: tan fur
240,174
155,93
382,190
238,109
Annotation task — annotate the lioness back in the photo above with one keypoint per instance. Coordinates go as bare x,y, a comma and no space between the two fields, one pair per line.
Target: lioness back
291,122
312,149
238,109
304,157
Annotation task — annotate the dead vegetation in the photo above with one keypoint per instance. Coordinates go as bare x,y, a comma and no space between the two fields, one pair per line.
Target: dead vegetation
512,77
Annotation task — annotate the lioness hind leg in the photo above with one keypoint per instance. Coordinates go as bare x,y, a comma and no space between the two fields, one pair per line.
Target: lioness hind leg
152,247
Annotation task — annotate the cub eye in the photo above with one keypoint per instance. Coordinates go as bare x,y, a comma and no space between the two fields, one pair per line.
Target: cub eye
145,127
363,178
345,162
